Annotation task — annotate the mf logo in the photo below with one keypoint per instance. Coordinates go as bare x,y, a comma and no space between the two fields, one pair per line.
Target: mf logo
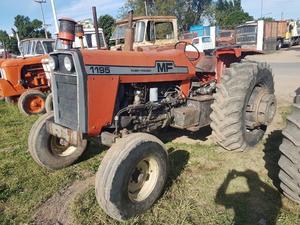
164,67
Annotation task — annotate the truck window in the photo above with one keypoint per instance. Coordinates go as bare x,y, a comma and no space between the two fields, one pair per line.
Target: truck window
49,46
206,40
39,48
164,30
139,32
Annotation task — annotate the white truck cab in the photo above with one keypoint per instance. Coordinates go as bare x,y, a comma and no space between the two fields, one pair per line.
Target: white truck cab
201,43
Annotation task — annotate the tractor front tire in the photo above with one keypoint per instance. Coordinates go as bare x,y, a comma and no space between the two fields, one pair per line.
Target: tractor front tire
289,161
47,150
49,103
32,102
131,176
244,105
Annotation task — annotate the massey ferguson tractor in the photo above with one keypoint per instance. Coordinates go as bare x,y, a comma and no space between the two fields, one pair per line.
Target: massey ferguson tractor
289,161
23,79
121,97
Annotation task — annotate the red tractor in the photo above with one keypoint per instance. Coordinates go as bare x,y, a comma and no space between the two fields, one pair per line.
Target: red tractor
120,97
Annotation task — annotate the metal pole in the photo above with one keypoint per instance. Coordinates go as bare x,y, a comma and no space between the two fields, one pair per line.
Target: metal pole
261,10
146,8
44,23
55,16
96,27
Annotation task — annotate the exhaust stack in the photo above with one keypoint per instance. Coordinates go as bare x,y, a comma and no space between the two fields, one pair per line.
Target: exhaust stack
96,27
67,32
129,33
79,32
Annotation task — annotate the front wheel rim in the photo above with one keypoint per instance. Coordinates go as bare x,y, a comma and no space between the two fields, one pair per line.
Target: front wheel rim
143,179
59,149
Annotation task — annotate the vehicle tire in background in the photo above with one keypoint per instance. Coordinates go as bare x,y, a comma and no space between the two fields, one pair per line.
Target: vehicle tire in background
49,103
32,102
289,161
131,176
48,150
244,105
279,45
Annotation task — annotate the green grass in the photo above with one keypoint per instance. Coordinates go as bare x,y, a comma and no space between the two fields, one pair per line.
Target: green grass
24,186
201,189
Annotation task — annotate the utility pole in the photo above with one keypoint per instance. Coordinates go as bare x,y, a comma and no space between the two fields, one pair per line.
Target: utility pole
55,16
261,9
41,2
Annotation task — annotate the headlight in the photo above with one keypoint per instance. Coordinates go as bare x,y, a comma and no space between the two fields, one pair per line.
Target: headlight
68,63
53,63
2,74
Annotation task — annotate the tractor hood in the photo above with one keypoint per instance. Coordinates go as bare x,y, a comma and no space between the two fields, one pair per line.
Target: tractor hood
21,61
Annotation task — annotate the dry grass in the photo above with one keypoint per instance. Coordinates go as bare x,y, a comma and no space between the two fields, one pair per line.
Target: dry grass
206,184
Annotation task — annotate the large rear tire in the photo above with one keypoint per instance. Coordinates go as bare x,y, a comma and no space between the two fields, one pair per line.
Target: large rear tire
47,150
131,176
32,102
244,105
289,161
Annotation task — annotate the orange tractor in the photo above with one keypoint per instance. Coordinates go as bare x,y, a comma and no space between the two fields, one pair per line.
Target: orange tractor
120,97
23,79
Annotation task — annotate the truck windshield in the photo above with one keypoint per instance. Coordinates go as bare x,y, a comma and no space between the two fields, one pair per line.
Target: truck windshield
139,33
49,46
119,32
225,34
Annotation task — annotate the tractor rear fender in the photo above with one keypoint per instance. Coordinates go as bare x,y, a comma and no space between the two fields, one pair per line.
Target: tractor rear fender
226,56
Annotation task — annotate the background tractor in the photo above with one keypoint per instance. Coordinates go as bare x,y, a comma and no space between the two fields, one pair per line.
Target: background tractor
289,161
23,78
121,97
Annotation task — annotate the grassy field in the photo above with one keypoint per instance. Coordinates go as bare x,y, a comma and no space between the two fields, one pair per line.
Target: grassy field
206,184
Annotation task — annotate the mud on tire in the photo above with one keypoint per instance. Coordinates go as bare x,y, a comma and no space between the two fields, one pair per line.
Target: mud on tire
289,161
241,87
123,187
46,149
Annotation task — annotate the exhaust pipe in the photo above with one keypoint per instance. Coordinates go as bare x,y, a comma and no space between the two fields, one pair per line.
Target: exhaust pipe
96,27
129,33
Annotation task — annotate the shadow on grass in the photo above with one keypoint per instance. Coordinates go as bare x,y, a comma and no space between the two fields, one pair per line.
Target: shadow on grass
272,155
94,148
169,134
178,160
259,206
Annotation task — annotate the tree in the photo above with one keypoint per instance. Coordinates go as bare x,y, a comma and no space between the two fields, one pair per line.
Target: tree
29,29
188,12
107,23
229,14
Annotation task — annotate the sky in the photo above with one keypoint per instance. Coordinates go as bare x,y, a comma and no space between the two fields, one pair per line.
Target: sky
81,9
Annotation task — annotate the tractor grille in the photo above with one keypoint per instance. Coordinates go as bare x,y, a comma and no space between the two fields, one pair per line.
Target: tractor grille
66,105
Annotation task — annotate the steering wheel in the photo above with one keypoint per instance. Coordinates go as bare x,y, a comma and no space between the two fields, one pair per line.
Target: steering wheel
185,45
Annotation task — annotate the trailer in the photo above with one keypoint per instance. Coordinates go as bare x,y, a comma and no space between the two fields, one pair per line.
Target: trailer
264,35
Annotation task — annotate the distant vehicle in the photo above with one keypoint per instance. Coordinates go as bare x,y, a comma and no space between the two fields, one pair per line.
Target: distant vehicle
267,35
149,32
225,38
24,78
201,43
89,39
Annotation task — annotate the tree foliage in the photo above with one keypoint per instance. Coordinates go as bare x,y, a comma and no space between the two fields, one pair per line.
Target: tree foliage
25,29
188,12
229,14
107,23
223,13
